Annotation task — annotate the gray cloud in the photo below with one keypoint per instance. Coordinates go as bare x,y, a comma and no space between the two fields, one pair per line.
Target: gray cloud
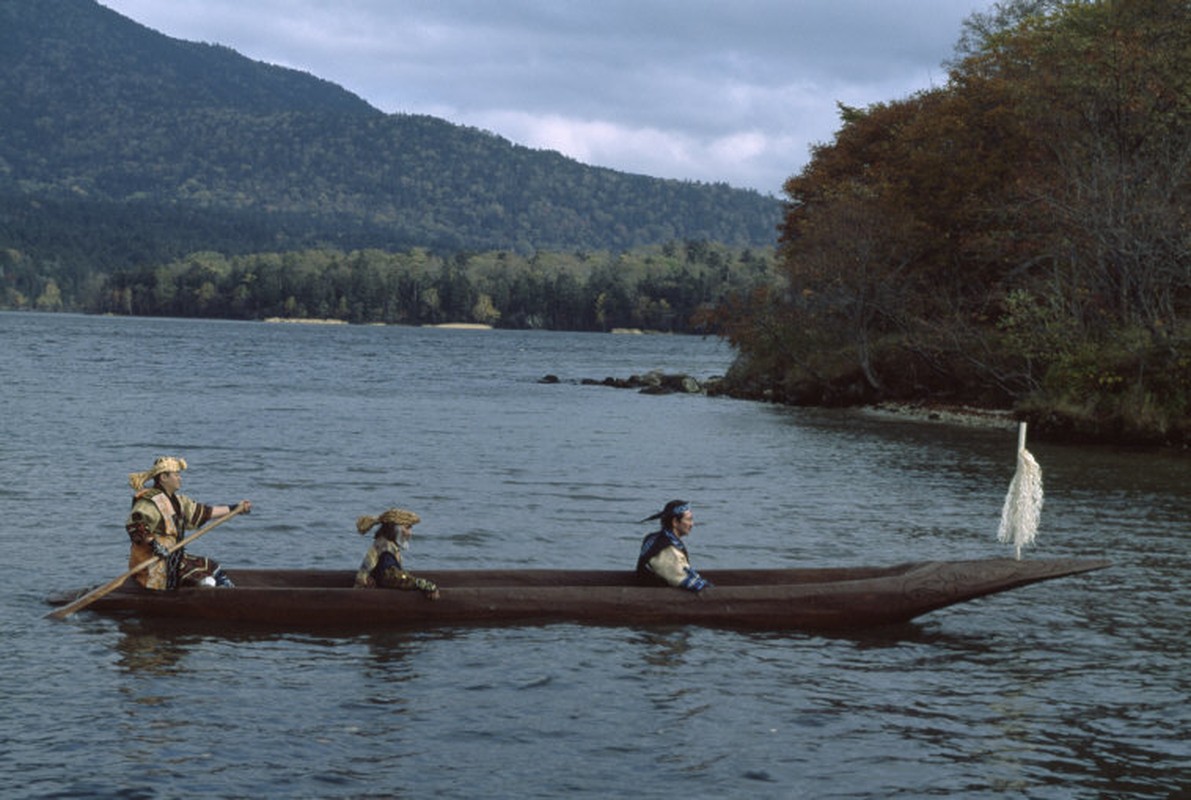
731,91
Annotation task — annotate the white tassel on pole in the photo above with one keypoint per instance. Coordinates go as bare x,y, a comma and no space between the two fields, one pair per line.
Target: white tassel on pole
1023,503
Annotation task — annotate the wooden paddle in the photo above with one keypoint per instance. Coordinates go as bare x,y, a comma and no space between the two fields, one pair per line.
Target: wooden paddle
93,595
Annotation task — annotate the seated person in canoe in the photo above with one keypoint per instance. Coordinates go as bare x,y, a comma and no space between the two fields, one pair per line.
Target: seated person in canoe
664,556
382,567
159,519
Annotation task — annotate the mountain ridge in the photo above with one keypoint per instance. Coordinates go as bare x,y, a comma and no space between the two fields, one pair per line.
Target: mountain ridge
109,117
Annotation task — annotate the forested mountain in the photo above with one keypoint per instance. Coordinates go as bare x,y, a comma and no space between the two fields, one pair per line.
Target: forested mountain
122,147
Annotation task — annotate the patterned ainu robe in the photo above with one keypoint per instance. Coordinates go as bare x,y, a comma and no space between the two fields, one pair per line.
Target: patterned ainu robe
381,568
157,516
664,558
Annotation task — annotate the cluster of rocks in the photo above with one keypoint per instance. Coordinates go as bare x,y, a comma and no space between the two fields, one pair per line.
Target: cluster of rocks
654,382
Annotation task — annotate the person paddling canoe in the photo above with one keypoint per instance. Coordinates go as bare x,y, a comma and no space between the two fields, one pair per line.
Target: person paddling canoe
382,567
663,554
159,519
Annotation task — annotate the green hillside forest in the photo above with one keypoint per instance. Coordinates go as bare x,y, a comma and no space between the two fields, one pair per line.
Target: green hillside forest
123,148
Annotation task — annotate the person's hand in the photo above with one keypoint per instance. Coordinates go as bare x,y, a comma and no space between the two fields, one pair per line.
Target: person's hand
159,550
245,506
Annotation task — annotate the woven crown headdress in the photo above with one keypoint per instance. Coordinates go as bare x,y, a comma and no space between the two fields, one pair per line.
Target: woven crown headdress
397,516
161,464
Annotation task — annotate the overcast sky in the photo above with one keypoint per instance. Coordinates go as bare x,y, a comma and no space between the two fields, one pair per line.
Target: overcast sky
732,91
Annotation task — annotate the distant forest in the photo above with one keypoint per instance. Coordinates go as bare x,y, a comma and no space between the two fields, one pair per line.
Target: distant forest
145,175
670,288
1020,238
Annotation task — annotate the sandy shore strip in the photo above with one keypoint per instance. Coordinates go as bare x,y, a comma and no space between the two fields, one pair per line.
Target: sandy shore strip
950,415
461,326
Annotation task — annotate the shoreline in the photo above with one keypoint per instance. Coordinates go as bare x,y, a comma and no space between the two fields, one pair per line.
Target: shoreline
304,321
968,416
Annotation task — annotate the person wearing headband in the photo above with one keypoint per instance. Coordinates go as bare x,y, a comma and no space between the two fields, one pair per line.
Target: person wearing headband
381,567
663,556
160,518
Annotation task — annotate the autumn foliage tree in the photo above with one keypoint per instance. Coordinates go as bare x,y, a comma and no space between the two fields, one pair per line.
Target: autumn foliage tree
1018,237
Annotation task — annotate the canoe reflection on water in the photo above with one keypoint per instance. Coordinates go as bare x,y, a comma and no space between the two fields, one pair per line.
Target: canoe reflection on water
839,598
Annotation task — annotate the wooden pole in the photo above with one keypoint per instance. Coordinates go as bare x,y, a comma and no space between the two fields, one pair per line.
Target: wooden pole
1023,503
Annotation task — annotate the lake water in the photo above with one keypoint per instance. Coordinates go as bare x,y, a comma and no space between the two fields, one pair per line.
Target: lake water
1075,688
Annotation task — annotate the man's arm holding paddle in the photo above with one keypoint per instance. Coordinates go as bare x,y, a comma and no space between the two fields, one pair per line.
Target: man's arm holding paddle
242,507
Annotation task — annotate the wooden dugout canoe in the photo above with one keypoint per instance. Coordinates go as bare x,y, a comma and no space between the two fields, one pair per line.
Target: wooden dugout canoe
762,599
